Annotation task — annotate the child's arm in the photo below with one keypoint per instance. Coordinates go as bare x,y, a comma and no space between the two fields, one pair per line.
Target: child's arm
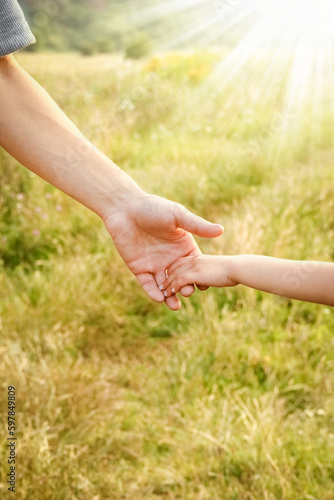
307,281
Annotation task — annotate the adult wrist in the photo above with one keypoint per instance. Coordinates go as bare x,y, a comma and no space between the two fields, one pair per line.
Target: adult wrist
119,191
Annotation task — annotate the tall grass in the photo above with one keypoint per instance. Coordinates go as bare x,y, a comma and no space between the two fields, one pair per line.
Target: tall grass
120,398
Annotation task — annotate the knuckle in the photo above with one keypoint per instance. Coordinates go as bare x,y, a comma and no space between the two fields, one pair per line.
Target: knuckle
182,278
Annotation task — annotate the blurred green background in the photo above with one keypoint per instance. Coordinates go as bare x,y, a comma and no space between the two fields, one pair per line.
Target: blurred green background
134,26
118,397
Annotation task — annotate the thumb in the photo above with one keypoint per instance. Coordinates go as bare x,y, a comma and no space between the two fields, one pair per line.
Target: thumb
196,225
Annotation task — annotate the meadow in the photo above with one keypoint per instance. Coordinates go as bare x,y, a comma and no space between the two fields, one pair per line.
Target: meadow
119,398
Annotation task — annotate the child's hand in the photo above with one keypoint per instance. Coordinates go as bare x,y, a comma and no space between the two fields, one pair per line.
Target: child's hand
203,270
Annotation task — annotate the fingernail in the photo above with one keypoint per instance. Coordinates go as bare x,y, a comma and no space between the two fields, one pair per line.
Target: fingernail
173,290
165,294
161,287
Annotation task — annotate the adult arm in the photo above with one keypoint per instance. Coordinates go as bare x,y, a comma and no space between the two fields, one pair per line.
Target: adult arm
149,232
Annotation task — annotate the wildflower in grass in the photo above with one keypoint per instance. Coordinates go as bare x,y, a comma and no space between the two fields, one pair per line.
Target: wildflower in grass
59,208
48,195
38,209
36,232
45,216
20,196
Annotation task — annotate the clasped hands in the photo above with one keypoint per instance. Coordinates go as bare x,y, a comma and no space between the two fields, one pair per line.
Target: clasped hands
151,233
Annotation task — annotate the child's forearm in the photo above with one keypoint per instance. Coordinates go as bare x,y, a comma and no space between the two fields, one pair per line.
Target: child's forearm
307,281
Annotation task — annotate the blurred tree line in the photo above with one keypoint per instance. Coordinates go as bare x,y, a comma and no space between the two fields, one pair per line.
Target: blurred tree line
88,26
133,26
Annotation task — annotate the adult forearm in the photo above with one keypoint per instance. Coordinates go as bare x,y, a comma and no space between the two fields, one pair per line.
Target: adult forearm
307,281
39,135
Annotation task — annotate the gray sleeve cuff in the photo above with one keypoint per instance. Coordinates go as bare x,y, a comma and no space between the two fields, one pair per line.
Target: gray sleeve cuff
15,33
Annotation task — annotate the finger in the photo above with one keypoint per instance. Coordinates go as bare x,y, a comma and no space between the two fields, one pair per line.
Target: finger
170,280
182,266
178,263
177,281
173,303
150,286
160,277
202,288
197,225
187,291
180,282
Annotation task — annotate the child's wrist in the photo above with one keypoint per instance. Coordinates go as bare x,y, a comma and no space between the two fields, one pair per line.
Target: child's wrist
234,267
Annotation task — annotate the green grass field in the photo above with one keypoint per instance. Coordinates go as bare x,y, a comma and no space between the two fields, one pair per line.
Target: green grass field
120,398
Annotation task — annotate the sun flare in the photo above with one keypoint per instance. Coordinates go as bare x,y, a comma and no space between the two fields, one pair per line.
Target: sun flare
274,51
281,44
312,20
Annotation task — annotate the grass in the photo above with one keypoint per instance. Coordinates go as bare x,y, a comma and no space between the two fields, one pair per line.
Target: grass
120,398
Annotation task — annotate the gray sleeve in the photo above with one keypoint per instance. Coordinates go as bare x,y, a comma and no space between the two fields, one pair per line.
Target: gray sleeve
15,33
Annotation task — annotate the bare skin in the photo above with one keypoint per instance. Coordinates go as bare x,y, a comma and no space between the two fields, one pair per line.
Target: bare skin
148,231
300,280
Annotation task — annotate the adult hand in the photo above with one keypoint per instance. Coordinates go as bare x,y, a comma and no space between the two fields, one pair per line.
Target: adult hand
150,234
